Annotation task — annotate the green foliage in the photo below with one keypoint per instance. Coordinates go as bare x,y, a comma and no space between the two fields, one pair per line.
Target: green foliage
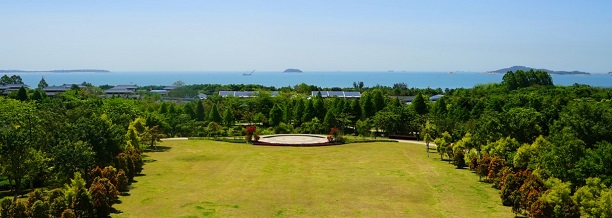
309,111
419,104
504,148
587,197
522,79
363,127
444,145
276,115
14,79
558,197
200,113
228,117
22,94
214,115
42,84
330,120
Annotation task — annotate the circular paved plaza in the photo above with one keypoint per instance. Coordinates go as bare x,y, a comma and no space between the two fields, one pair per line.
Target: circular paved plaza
303,139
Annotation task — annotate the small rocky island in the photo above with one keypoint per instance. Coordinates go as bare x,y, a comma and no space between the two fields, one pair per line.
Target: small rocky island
292,70
523,68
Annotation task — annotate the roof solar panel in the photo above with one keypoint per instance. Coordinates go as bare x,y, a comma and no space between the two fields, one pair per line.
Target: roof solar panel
352,94
336,93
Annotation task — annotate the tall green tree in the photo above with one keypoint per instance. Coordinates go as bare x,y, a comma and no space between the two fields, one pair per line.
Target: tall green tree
330,120
276,115
228,116
309,112
319,106
378,99
42,84
22,94
368,107
200,114
214,115
419,104
298,111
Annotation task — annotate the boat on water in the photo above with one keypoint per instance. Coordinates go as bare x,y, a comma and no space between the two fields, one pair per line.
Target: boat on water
248,74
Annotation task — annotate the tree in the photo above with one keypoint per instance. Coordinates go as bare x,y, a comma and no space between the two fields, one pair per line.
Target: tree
319,107
22,94
587,197
368,107
330,120
363,127
419,104
309,112
428,134
42,84
178,83
378,99
444,145
276,115
214,115
228,116
483,166
298,111
200,114
558,198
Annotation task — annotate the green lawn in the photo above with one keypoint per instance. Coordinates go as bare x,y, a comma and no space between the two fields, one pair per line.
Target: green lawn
205,178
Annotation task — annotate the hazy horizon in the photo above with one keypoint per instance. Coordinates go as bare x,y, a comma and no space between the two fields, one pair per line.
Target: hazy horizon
411,36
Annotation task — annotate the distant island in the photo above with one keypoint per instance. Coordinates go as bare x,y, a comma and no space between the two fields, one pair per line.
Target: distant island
56,71
291,70
523,68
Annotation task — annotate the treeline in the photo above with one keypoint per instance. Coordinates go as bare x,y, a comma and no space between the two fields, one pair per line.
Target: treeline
547,148
49,142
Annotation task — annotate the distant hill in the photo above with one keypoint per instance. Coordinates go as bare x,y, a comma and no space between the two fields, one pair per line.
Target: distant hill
55,71
523,68
292,70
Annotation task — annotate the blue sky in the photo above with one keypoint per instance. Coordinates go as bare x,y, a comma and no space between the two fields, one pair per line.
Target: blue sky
123,35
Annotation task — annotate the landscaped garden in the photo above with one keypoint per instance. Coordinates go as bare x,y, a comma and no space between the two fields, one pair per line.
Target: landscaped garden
199,178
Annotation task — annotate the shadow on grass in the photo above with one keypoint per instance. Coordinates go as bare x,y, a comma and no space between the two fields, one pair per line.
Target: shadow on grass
158,149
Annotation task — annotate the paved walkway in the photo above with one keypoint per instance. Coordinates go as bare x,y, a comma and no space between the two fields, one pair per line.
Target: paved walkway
431,144
174,139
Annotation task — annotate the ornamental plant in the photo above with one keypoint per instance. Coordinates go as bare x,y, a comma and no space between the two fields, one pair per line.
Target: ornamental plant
250,132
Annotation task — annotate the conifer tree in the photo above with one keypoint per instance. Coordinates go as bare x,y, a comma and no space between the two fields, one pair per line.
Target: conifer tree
200,111
228,116
298,112
419,104
42,84
308,112
214,115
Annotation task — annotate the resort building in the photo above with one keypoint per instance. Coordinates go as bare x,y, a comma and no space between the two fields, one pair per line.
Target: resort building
56,90
126,91
340,94
244,94
8,88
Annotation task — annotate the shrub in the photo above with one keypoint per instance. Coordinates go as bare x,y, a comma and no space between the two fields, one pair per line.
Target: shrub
110,173
483,167
18,209
122,181
39,209
5,206
458,160
495,166
68,213
81,204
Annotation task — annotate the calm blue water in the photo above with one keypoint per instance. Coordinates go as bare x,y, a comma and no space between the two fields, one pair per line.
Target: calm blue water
277,79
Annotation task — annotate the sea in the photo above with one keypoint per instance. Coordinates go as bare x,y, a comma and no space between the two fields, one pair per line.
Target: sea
329,79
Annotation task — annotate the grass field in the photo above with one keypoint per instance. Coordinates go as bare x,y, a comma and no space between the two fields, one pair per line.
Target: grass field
205,178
